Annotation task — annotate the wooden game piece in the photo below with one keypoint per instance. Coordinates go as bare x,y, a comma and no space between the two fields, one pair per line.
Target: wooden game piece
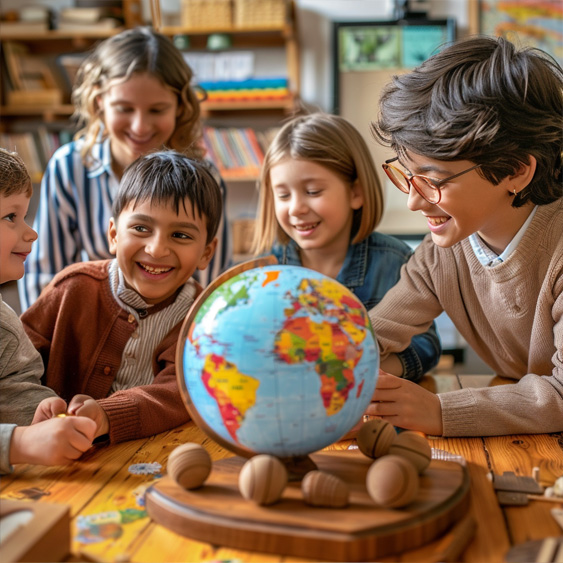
392,481
362,531
414,447
45,536
323,489
189,465
262,479
508,481
375,437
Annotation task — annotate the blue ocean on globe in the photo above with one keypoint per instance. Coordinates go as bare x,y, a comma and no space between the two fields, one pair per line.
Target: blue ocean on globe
279,360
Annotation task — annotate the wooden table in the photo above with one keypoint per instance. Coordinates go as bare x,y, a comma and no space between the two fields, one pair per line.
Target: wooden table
105,494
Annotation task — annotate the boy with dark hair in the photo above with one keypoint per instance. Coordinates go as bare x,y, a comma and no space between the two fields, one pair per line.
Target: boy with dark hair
58,440
477,133
107,330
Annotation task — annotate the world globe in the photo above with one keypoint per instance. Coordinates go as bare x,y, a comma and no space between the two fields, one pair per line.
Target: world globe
277,359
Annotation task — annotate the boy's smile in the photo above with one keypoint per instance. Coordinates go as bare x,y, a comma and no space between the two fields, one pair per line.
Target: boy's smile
16,236
469,204
158,250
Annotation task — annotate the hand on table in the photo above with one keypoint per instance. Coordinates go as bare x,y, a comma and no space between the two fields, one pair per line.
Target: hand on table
56,441
84,405
406,404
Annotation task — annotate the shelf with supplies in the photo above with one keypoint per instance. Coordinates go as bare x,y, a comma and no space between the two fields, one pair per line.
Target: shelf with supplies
226,43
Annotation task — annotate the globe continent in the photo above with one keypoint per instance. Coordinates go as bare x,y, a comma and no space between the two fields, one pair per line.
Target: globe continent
279,360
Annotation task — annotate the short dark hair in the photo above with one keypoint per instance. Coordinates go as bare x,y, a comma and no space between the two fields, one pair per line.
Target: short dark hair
168,176
486,101
14,177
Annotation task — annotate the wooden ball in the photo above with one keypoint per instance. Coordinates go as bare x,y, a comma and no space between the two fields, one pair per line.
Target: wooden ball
324,489
189,465
375,437
262,479
392,481
414,447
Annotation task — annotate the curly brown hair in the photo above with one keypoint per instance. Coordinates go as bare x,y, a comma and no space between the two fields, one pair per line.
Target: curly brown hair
137,50
486,101
14,177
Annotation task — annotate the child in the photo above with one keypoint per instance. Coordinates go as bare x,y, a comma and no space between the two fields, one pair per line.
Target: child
54,441
320,199
133,96
477,132
109,328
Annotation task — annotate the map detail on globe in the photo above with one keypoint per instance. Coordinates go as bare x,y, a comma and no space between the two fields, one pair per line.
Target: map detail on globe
280,360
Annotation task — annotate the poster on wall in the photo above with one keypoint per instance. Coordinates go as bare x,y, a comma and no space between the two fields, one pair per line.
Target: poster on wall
536,23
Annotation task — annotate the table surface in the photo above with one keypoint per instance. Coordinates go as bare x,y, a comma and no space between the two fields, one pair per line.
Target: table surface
105,492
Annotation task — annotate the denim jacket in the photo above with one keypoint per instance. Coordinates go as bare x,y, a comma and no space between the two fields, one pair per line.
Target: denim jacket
370,269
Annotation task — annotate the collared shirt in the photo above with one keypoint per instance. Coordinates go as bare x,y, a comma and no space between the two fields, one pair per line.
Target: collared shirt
370,269
489,257
73,218
136,365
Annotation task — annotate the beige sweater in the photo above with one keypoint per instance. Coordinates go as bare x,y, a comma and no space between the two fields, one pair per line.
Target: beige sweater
511,315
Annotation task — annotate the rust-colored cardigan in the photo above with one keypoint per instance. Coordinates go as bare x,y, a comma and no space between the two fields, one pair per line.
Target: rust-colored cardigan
81,331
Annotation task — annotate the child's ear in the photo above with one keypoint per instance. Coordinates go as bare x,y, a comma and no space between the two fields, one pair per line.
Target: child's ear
207,255
357,199
112,236
523,175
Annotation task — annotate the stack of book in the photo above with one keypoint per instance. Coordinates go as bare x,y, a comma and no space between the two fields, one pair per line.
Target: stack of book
251,89
236,152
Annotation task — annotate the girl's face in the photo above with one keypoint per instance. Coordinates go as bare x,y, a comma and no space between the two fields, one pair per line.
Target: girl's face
139,116
313,205
16,236
469,204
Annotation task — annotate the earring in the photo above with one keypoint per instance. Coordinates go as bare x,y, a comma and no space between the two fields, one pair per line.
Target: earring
514,191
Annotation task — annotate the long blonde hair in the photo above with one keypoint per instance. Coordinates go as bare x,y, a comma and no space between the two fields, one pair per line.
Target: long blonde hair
330,141
136,51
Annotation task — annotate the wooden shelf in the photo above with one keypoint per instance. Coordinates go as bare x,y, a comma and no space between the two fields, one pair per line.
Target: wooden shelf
49,113
62,34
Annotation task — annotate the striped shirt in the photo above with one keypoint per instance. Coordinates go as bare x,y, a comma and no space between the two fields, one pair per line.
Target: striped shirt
73,218
136,362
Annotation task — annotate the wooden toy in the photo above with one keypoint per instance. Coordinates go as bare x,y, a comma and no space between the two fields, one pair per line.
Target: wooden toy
414,447
323,489
392,481
189,465
34,531
262,479
375,437
362,531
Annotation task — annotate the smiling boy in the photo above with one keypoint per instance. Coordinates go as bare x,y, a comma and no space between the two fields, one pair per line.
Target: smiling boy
477,133
108,330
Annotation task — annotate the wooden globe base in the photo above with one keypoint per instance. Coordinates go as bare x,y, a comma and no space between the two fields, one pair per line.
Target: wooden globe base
217,513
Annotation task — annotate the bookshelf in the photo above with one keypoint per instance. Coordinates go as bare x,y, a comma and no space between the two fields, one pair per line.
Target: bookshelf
38,127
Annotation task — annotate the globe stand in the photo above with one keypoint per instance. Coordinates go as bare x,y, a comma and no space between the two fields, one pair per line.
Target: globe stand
298,466
218,514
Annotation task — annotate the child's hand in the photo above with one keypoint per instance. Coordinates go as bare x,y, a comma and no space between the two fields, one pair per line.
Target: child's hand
48,408
84,405
57,441
406,404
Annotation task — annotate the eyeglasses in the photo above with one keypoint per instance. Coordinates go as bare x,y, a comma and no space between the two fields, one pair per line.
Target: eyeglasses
426,187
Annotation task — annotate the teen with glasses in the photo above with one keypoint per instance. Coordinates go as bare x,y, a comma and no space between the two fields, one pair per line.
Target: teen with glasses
477,130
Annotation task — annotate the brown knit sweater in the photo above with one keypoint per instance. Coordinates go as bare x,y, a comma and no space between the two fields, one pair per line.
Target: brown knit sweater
81,331
511,315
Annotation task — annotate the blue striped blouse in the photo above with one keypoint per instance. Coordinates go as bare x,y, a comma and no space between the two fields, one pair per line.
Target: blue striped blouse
73,217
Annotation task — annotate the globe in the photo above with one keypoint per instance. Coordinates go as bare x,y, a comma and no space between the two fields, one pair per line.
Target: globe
277,359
